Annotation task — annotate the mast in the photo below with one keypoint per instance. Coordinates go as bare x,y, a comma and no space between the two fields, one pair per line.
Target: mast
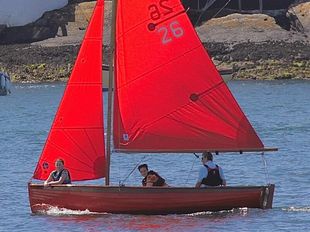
110,96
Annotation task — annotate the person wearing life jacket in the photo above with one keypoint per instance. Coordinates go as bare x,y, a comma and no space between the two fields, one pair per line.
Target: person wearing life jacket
2,80
5,84
210,174
60,175
151,178
8,83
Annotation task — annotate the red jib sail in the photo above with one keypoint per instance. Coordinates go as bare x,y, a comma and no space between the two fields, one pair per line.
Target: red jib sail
169,95
77,133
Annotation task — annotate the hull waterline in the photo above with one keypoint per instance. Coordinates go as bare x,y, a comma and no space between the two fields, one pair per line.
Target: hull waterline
155,200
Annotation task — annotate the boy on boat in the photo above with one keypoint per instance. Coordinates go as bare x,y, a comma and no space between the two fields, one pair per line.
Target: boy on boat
151,178
60,175
210,174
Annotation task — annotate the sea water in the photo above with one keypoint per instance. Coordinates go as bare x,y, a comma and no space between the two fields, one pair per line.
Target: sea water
278,110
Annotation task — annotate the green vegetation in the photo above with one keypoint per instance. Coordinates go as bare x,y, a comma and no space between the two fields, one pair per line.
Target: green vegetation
270,70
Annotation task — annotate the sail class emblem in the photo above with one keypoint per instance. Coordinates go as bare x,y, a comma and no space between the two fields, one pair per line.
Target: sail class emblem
125,137
45,165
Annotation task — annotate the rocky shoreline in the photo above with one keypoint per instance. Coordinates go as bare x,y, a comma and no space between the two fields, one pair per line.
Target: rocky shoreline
28,63
272,60
254,47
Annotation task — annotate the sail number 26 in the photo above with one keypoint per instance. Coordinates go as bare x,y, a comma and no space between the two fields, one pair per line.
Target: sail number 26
175,29
169,31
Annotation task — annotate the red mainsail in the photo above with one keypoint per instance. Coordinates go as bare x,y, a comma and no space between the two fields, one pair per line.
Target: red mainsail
77,133
169,95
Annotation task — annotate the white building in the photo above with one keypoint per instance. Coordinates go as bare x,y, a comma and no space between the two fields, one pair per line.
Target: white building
21,12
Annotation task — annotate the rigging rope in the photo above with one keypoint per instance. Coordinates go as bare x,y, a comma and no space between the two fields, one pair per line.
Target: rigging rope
121,182
265,168
196,156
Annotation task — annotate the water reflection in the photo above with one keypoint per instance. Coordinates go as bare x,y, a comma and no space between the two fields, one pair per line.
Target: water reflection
185,222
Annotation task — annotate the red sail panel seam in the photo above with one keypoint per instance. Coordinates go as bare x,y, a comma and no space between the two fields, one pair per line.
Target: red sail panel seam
220,115
189,126
91,143
171,17
182,107
69,154
156,68
76,144
206,92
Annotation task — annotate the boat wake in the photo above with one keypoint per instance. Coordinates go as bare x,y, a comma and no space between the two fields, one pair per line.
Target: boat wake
55,211
297,209
241,211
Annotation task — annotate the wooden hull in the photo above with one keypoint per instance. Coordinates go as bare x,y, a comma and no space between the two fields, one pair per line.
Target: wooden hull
153,200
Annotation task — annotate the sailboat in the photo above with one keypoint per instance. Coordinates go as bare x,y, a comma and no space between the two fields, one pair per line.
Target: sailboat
167,97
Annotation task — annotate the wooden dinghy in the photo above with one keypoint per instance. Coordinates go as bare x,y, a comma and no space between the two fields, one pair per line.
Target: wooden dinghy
168,98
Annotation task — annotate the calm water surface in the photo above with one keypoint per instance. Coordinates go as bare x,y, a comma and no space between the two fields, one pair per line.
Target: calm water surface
279,111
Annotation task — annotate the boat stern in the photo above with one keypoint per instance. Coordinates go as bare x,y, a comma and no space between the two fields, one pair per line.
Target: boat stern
267,196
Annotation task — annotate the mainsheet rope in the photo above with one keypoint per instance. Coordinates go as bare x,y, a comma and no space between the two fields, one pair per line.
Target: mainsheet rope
265,168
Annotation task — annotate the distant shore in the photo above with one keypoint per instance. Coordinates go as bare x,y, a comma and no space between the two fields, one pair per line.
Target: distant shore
28,63
272,60
254,46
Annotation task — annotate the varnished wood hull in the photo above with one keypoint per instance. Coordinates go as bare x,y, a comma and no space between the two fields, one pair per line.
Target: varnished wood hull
141,200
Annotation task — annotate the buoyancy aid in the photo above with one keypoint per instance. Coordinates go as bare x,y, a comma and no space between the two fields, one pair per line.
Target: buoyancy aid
56,176
213,178
2,81
159,180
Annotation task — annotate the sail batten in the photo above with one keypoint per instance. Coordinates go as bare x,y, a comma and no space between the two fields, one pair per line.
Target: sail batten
169,95
77,132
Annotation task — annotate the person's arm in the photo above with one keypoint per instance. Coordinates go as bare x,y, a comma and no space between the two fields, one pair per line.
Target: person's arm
222,176
49,179
202,174
160,181
198,184
61,179
149,184
143,182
